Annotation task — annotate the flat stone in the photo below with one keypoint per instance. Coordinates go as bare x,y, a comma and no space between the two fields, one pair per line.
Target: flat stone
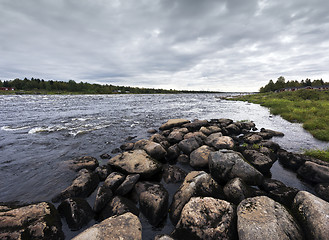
173,123
86,162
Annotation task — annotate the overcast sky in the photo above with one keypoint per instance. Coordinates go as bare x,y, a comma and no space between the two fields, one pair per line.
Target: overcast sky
232,45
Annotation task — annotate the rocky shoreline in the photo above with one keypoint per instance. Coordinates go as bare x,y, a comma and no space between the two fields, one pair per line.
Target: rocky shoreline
229,194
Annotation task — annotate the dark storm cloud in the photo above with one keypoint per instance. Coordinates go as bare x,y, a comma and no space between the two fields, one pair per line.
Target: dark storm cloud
221,45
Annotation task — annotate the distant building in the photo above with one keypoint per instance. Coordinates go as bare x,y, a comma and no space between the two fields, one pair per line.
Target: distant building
7,89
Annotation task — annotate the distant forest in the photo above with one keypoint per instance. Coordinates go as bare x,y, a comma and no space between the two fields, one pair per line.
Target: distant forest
281,83
39,85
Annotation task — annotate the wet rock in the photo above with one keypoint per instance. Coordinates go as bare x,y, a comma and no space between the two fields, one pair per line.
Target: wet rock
155,150
223,122
284,195
105,156
173,174
183,158
314,172
271,184
116,150
125,226
173,123
206,218
76,211
173,153
210,130
271,145
233,129
198,135
196,183
163,237
196,125
152,130
189,145
127,185
103,196
199,157
271,132
268,152
212,138
158,138
118,206
127,146
313,214
260,161
103,172
177,135
224,142
252,138
153,203
263,218
114,180
84,184
291,160
86,162
322,190
35,221
136,162
247,125
227,164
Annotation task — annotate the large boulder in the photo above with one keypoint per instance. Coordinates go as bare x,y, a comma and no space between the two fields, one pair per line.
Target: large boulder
291,160
173,174
173,153
86,162
76,211
136,162
127,185
199,157
263,218
173,123
196,184
252,138
270,184
158,138
155,150
206,218
314,172
125,226
212,138
189,145
177,135
313,213
153,203
233,129
260,161
114,180
284,195
210,130
196,125
82,186
103,196
36,221
322,190
227,164
103,172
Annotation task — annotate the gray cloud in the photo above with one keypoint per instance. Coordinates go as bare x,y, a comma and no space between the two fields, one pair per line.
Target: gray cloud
228,45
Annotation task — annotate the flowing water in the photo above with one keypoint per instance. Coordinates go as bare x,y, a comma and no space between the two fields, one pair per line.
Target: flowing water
40,133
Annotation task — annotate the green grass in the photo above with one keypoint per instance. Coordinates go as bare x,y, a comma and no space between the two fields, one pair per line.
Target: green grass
309,107
319,154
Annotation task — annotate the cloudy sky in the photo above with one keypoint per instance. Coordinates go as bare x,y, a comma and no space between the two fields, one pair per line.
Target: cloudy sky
224,45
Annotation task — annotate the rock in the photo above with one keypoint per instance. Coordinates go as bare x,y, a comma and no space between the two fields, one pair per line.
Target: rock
263,218
173,174
271,184
247,125
183,158
84,184
198,135
268,152
127,146
322,190
199,157
125,226
136,162
284,195
127,185
271,132
76,211
253,138
114,180
313,214
260,161
152,130
314,172
35,221
227,164
163,237
103,196
116,150
196,183
103,172
155,150
206,218
153,204
236,190
271,145
173,123
223,122
158,138
210,130
224,142
86,162
118,206
212,138
188,145
177,135
173,153
233,129
196,125
291,160
105,156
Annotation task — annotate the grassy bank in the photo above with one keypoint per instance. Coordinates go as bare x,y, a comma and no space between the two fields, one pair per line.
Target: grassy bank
309,107
319,154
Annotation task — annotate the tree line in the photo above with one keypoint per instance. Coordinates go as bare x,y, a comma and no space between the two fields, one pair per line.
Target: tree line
281,83
41,85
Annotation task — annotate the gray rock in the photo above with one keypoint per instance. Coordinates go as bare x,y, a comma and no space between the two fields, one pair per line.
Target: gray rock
136,162
271,132
82,186
188,145
223,122
127,185
291,160
196,183
271,145
114,180
284,195
155,150
127,146
103,196
233,129
153,203
263,218
199,157
260,161
86,162
163,237
103,172
322,190
173,123
253,138
224,142
314,172
173,153
76,211
206,218
212,138
152,130
210,130
196,125
158,138
177,135
173,174
270,184
227,164
313,214
35,221
198,135
125,226
183,158
248,125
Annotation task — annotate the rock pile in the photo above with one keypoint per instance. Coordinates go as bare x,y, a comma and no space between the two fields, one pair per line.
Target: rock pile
228,195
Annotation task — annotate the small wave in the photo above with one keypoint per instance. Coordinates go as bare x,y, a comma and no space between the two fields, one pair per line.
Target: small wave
47,129
9,128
